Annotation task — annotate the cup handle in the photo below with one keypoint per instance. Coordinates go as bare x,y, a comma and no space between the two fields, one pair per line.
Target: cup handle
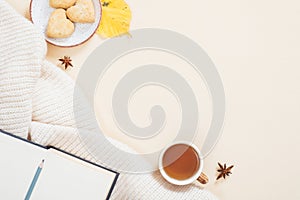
202,178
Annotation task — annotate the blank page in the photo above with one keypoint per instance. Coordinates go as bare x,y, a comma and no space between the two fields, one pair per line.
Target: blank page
66,177
19,161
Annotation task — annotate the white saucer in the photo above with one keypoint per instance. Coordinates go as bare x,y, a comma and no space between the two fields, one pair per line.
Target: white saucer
40,11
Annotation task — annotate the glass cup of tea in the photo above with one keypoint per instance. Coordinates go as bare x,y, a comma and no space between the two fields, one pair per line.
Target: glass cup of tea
181,163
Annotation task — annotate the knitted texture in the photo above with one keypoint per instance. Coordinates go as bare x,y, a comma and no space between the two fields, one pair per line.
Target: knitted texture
22,49
36,98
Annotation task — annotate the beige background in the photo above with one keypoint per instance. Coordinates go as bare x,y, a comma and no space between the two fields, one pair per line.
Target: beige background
255,45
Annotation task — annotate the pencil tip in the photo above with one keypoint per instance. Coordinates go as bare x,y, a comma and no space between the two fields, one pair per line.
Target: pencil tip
42,164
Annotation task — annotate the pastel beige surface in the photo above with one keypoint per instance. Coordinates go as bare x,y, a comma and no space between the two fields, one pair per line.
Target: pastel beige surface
36,99
255,46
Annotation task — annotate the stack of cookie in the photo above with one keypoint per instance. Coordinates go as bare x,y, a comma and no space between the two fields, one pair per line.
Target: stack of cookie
66,13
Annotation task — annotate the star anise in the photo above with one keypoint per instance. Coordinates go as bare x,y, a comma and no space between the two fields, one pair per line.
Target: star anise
66,60
224,171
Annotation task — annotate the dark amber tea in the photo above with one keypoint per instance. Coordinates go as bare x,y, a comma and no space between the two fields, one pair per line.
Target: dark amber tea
181,161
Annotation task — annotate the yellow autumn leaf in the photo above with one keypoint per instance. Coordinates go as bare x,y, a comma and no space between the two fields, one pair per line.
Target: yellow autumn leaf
116,18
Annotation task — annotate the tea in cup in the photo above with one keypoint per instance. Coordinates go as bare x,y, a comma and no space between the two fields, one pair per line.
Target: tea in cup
181,163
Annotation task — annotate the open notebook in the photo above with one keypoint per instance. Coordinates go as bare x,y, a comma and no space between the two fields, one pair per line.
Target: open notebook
63,176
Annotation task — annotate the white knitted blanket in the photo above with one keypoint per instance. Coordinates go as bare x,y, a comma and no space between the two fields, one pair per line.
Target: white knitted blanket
36,98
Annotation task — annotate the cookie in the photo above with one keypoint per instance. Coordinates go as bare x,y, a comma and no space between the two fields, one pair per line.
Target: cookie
62,3
82,12
58,25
